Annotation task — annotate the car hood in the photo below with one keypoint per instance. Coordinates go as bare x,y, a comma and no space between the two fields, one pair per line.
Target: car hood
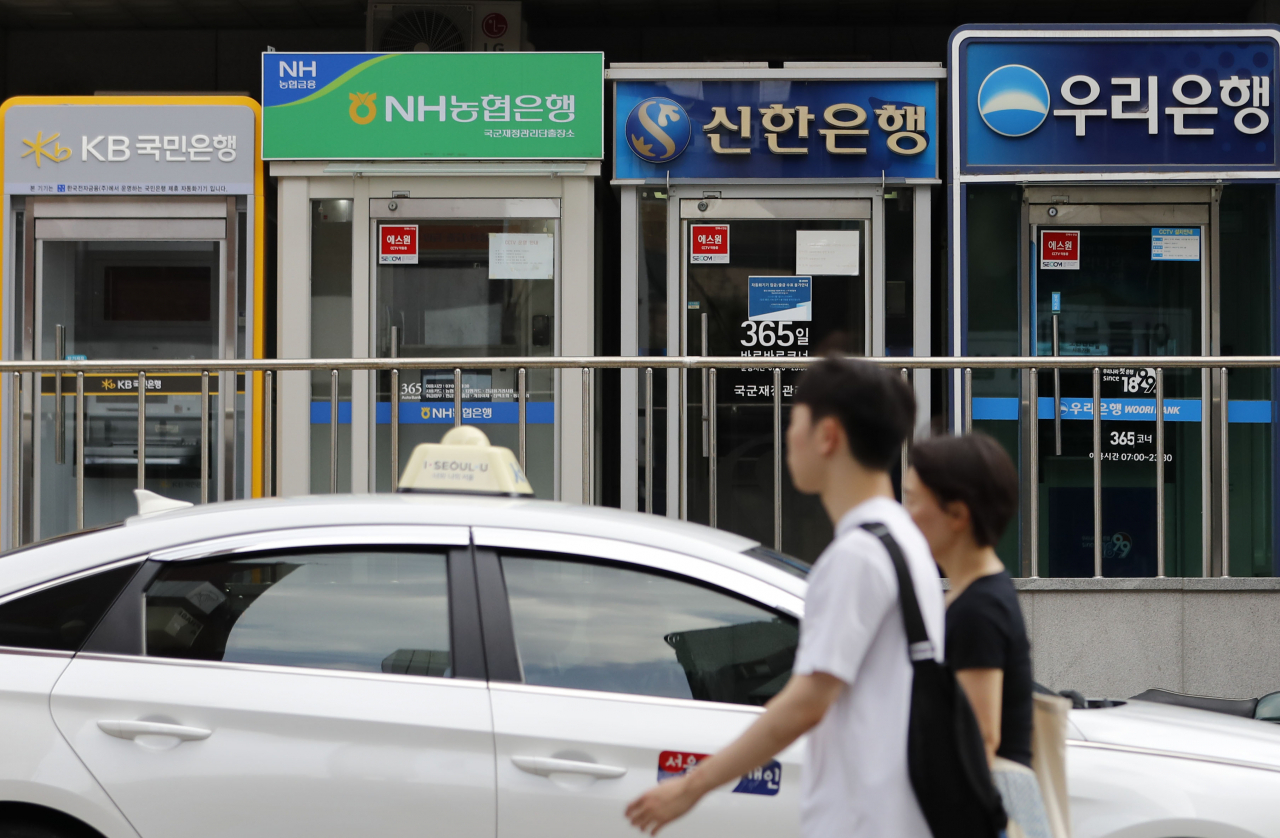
1183,731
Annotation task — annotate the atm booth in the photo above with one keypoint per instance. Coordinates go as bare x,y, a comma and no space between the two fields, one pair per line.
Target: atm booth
432,205
1114,194
132,230
765,212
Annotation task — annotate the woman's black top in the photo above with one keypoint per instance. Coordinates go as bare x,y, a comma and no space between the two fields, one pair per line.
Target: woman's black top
985,631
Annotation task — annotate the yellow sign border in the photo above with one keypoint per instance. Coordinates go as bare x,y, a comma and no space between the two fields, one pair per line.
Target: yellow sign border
259,230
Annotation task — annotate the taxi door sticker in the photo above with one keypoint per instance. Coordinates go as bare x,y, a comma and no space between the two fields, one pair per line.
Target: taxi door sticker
766,779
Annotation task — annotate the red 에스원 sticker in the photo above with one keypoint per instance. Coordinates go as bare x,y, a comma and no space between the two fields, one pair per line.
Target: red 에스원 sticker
1060,250
398,244
709,244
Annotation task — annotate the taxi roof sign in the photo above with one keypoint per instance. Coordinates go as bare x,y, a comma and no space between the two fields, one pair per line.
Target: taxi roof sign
465,462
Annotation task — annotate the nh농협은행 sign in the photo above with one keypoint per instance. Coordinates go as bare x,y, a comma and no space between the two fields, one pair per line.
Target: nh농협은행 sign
407,106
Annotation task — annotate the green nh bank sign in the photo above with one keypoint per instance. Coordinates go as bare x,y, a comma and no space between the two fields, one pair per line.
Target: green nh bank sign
432,106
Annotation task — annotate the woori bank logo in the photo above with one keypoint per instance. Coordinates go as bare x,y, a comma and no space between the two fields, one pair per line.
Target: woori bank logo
1013,100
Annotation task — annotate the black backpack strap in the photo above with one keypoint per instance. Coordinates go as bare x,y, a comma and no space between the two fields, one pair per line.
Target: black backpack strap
920,647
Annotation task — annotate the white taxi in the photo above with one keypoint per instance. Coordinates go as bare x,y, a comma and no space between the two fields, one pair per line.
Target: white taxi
453,664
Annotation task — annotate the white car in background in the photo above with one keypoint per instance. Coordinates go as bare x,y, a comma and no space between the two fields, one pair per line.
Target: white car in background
465,666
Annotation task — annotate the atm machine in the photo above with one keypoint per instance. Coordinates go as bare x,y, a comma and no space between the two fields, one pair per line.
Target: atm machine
775,212
132,231
447,214
1116,194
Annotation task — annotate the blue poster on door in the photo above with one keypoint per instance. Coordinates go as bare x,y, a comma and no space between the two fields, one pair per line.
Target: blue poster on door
786,298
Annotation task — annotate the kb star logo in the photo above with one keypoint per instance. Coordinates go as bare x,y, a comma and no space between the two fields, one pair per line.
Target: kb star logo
40,148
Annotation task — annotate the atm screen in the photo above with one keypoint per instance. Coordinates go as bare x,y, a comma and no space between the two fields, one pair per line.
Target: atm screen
159,292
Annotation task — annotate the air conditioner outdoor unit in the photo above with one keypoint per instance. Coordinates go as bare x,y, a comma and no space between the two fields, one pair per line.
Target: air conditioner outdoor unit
444,27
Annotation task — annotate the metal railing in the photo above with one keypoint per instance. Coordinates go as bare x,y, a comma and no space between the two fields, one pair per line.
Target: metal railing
263,374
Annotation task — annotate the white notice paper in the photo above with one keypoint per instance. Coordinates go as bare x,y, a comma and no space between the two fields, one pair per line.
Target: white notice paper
827,253
522,256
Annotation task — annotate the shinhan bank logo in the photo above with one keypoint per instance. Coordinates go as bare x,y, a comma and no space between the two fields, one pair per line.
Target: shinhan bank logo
1013,100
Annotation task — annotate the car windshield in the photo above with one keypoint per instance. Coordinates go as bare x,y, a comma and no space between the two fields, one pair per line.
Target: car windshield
782,561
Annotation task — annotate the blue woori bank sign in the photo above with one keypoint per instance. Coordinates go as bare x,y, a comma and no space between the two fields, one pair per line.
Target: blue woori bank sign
1058,100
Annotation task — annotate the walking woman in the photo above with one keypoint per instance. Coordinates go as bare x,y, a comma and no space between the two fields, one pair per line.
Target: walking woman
962,492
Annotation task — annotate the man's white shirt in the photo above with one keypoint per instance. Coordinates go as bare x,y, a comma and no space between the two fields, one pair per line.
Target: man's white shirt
855,772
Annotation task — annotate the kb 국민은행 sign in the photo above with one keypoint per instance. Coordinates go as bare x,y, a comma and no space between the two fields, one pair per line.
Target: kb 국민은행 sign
425,106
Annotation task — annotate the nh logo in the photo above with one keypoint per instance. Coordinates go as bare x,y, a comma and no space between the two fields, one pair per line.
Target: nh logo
297,69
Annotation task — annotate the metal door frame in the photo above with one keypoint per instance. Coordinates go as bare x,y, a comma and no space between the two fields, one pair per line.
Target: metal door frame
1117,206
96,221
363,387
863,202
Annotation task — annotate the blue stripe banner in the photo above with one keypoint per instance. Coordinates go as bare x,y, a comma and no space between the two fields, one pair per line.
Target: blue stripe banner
1130,410
441,413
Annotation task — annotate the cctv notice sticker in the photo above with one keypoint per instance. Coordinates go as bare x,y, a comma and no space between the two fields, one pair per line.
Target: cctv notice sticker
709,244
1059,250
1175,244
766,780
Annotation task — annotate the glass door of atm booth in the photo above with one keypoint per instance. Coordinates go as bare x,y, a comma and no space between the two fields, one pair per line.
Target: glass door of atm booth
1110,281
768,278
467,278
161,286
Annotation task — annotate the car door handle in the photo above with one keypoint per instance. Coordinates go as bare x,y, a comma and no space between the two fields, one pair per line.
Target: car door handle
132,730
545,766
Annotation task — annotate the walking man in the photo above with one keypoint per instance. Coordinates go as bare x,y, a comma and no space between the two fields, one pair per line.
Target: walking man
851,683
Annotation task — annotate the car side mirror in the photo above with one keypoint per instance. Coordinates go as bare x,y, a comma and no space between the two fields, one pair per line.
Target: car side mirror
1268,709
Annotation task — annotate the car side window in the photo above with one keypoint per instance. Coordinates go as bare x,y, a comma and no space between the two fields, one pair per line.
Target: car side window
60,617
598,626
365,610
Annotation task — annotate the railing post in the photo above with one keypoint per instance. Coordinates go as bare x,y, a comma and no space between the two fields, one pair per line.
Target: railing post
15,453
142,430
59,408
713,495
906,443
682,426
395,430
395,411
648,440
1225,477
204,436
777,459
457,397
522,427
586,436
333,432
1097,473
79,451
968,400
1160,473
1033,472
268,428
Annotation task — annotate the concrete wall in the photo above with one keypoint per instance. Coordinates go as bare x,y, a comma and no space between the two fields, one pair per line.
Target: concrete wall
1117,637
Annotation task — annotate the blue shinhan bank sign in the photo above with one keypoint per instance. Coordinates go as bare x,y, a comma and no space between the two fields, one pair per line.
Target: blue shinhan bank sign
776,129
1057,100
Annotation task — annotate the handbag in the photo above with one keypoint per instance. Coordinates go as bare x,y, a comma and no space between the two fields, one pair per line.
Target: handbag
946,759
1049,759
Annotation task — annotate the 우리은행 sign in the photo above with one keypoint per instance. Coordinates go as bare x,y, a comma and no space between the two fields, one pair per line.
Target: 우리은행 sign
398,244
433,105
1060,250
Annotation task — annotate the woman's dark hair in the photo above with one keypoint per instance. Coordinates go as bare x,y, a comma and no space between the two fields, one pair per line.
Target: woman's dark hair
875,407
975,470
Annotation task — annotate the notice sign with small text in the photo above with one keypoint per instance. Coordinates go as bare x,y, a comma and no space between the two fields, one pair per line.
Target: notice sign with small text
709,244
398,244
1175,244
1060,250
